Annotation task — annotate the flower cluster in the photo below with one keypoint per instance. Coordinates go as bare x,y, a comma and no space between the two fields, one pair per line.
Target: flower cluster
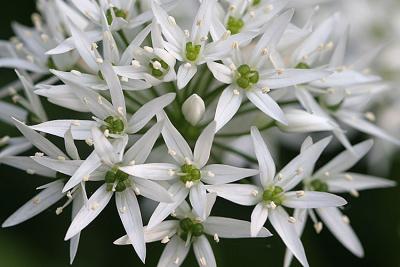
179,117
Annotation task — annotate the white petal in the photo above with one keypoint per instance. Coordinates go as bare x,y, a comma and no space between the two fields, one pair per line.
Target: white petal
152,171
203,145
88,166
242,194
356,121
148,111
295,170
333,219
265,162
179,192
267,105
96,203
198,199
104,149
301,219
312,200
230,228
39,141
9,111
221,72
129,212
228,105
203,251
341,183
158,233
300,121
142,147
186,72
279,220
291,77
152,190
345,160
70,146
36,205
29,165
222,174
258,218
67,167
80,128
177,145
114,85
174,253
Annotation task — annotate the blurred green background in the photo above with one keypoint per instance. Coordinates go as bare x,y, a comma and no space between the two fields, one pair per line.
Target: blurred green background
39,242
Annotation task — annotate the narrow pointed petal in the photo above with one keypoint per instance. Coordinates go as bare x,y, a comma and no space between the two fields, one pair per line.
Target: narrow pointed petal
80,128
301,219
231,228
129,212
104,149
242,194
178,192
221,72
333,219
39,141
67,167
258,218
348,182
203,251
152,190
228,104
279,220
267,105
216,174
185,73
198,199
312,200
95,204
174,253
152,171
265,162
203,145
70,146
36,205
148,111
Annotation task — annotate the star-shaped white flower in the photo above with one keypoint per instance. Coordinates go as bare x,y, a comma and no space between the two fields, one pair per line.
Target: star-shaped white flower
189,174
189,229
274,193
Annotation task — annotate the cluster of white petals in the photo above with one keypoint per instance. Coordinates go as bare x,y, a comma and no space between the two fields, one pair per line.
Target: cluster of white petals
176,108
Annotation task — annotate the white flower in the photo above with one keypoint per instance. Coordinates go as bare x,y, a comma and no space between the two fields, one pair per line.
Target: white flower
275,193
188,229
189,174
192,47
333,177
55,165
253,72
108,160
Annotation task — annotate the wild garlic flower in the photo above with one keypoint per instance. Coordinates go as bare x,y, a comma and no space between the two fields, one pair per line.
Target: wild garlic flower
170,106
189,229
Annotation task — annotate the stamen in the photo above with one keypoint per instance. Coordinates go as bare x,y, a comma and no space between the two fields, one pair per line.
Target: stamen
318,227
171,20
165,240
300,194
216,238
292,219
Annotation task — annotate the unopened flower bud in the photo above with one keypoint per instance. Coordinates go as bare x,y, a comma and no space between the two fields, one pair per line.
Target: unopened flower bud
193,109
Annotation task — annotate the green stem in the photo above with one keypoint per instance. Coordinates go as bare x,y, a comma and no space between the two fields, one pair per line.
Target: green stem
123,37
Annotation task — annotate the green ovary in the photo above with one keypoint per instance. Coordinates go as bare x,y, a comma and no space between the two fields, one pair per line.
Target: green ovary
273,194
246,77
189,227
160,72
234,25
319,185
190,173
303,66
114,125
116,179
192,51
119,13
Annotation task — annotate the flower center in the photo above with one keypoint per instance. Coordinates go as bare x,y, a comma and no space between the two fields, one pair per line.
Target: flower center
117,12
234,25
158,67
303,66
114,125
319,185
273,194
117,180
192,51
256,2
190,228
246,76
190,173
